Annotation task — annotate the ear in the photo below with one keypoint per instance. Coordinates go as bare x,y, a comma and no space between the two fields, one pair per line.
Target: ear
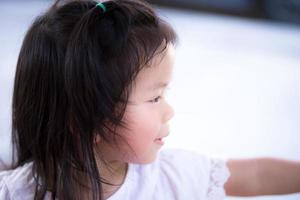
97,139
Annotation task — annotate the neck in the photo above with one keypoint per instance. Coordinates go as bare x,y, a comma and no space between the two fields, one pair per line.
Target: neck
113,174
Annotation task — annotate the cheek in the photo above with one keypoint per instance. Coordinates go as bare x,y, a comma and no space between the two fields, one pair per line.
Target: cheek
143,128
143,125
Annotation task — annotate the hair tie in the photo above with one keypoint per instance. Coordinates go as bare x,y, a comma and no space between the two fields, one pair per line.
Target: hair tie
102,6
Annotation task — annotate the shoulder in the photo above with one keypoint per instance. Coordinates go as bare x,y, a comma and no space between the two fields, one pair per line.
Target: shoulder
186,161
196,170
18,183
180,156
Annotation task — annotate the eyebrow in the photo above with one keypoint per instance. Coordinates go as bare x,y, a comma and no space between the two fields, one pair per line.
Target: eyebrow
159,85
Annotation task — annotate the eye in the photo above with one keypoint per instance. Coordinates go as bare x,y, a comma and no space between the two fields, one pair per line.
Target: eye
155,100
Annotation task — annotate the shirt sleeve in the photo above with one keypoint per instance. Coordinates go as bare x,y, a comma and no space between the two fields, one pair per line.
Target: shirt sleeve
4,193
218,175
17,184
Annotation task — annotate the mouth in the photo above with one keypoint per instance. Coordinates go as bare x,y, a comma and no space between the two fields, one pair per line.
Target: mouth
160,140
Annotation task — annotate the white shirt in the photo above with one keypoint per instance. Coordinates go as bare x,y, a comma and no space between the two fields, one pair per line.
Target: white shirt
175,175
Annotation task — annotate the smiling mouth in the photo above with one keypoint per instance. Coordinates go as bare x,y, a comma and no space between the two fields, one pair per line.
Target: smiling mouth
159,141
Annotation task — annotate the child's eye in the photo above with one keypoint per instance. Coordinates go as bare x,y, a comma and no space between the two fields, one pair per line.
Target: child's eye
156,99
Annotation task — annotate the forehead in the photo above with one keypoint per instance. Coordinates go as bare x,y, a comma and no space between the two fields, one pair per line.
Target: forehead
159,73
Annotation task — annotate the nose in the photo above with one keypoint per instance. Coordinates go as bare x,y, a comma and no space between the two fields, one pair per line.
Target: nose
169,112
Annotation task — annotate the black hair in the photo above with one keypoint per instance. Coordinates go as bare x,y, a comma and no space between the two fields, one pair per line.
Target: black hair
74,73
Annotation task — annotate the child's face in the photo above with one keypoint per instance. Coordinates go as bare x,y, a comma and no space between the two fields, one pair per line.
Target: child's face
147,115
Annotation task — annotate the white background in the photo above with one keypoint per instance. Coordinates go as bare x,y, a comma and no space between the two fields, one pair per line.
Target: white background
235,88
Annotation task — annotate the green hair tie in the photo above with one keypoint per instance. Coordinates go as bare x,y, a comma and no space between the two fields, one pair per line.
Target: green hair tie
102,6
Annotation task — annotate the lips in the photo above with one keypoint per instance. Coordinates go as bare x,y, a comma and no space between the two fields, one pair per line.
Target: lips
159,140
161,137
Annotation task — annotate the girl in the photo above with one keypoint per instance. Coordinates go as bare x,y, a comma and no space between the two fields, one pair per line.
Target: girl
90,115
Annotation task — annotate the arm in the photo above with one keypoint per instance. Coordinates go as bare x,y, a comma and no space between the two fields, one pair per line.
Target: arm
262,176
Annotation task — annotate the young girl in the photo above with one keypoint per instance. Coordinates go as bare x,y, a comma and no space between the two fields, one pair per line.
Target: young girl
90,115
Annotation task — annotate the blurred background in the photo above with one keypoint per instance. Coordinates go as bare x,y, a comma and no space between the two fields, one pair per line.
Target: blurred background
277,10
236,81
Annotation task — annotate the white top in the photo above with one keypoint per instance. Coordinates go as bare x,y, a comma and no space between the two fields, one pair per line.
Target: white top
175,175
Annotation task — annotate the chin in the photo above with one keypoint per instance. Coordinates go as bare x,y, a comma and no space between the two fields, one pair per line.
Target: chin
141,158
148,160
